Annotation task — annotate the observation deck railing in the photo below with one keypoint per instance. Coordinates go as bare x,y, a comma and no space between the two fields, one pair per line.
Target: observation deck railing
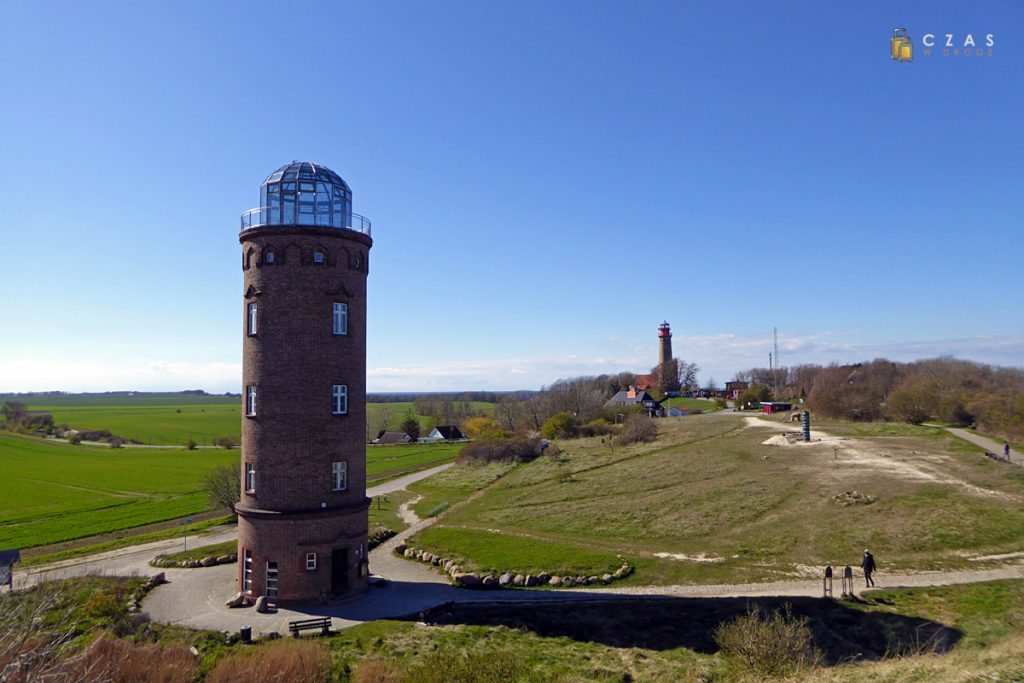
279,215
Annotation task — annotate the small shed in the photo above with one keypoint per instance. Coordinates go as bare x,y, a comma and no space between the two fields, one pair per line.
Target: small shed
775,407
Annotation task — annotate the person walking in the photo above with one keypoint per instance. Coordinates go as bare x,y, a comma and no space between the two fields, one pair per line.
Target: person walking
1006,451
868,565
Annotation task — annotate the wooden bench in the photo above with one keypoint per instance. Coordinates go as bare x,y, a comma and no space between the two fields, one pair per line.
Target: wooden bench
429,615
322,623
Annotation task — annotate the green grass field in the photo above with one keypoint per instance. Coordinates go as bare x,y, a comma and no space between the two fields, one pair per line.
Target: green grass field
173,419
384,460
708,502
55,492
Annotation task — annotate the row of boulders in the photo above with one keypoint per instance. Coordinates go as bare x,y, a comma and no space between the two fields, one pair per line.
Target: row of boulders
211,561
508,579
378,537
135,598
263,603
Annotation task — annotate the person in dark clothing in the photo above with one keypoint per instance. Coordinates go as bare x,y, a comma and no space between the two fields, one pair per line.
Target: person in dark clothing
868,565
1006,451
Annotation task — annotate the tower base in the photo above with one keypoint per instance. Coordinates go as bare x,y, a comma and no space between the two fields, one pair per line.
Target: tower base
306,556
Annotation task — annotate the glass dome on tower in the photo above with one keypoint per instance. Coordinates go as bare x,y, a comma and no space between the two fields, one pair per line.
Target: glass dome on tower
304,193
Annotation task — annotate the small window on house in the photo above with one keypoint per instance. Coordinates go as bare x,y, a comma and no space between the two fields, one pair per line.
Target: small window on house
339,399
310,562
339,470
339,324
252,319
250,477
268,256
318,256
250,401
247,570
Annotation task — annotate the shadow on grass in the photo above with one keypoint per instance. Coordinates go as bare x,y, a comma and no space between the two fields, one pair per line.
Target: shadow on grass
842,632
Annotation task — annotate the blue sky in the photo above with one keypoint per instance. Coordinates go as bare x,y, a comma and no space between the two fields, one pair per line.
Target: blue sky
547,183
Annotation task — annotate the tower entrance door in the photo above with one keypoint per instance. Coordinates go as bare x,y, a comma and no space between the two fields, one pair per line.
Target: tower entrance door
339,570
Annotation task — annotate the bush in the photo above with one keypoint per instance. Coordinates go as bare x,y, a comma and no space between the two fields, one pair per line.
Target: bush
560,426
376,670
598,427
720,403
517,449
74,439
484,428
284,662
638,428
226,442
191,444
449,665
769,645
116,442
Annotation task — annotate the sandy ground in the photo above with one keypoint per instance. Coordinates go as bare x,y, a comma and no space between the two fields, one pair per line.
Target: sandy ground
860,454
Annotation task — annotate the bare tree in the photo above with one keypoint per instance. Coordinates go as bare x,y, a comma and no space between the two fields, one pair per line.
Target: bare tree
507,410
224,486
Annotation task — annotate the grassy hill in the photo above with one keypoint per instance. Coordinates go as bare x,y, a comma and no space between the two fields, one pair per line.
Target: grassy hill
710,502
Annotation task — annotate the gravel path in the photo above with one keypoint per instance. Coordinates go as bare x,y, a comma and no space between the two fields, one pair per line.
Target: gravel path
990,445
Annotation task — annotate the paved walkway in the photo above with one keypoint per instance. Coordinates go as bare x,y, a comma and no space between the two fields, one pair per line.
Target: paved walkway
990,445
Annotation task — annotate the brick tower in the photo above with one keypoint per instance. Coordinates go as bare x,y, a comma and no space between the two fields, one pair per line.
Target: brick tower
664,344
302,517
667,370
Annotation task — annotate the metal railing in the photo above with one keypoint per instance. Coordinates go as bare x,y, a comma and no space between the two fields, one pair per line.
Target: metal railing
279,215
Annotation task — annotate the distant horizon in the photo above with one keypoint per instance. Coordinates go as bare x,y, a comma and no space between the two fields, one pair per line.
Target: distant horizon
719,382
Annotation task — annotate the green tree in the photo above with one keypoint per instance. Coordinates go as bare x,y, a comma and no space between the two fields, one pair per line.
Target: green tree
411,426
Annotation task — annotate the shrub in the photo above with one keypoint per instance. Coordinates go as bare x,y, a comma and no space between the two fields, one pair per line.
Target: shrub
116,442
280,663
74,439
720,403
598,427
378,670
484,428
560,426
226,442
517,449
638,428
191,444
769,645
449,665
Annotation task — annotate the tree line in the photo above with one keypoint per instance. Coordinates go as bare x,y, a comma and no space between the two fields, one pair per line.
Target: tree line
941,389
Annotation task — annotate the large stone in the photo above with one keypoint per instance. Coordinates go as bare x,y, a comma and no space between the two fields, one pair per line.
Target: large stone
237,601
158,579
208,561
467,580
555,581
592,579
455,569
582,580
400,548
518,580
543,578
409,552
263,604
436,561
606,578
530,581
568,581
427,557
490,582
448,565
192,564
505,579
227,559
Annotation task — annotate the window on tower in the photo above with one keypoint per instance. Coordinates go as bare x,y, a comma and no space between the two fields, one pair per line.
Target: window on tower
247,570
250,477
339,472
318,256
250,401
268,256
310,562
339,316
252,319
339,399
